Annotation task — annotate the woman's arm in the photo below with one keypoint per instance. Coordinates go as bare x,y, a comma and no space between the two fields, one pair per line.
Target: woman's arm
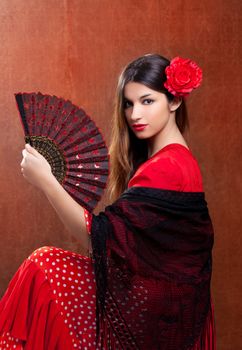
37,171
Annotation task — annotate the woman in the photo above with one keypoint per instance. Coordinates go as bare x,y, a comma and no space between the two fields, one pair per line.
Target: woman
151,249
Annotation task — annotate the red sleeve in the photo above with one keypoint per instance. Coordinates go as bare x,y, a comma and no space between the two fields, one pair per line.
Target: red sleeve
88,219
164,173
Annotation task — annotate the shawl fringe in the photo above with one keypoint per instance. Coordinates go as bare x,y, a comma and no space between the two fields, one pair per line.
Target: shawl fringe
207,339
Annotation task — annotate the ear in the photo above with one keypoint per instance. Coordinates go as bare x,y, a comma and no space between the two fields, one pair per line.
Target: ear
175,103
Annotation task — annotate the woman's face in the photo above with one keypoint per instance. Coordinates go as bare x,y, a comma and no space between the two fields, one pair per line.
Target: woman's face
148,112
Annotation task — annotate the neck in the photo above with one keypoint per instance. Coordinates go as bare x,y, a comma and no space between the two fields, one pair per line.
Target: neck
164,138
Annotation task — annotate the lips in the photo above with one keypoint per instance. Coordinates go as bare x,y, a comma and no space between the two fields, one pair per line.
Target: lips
139,127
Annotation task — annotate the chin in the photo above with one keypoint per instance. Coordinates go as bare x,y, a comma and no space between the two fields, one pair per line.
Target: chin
143,135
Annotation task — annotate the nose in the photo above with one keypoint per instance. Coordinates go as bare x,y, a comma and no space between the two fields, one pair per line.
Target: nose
135,113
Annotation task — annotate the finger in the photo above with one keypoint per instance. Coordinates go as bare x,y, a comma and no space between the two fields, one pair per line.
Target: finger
24,153
31,150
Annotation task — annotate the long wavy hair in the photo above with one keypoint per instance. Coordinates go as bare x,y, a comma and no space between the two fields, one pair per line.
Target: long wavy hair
127,152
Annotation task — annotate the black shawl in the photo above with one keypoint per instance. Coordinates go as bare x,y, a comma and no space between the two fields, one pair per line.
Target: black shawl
152,259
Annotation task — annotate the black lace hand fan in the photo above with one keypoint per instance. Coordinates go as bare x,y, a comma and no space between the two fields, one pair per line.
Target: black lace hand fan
70,141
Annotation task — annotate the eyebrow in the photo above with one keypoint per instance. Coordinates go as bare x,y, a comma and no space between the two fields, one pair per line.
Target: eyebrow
146,95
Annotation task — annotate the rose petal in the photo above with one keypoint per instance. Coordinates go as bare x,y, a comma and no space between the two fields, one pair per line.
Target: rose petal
183,75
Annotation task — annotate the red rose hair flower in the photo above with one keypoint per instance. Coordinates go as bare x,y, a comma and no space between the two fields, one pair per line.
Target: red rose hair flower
183,75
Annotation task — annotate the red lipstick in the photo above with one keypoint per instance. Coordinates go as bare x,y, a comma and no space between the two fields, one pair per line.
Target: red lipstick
139,127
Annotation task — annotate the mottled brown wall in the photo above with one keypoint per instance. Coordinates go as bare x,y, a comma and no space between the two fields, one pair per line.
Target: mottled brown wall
75,49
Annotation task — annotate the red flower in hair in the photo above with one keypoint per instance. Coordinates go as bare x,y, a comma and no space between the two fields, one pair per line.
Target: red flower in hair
183,75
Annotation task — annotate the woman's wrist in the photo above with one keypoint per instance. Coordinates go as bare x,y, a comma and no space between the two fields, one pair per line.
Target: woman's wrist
49,183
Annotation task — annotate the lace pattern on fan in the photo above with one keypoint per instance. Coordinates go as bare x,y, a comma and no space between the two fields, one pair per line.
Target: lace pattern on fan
52,154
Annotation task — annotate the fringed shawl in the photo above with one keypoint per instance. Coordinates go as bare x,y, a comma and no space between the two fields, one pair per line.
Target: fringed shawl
152,258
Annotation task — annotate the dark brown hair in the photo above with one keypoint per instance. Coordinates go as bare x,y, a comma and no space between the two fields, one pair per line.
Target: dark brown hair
127,152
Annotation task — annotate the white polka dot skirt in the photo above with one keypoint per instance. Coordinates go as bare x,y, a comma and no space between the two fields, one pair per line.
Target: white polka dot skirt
50,303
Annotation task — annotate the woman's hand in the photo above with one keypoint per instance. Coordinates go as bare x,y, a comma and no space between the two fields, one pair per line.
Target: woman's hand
35,168
37,171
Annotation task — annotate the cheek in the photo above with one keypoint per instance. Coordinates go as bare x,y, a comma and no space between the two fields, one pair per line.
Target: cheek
158,117
127,114
156,113
162,110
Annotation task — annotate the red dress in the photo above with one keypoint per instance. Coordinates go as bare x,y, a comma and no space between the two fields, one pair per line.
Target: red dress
50,302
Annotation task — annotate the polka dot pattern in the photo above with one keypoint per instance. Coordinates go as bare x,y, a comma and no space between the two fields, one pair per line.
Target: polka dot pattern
71,277
88,219
72,282
7,342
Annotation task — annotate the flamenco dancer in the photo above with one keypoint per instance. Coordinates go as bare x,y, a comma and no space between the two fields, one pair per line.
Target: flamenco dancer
145,280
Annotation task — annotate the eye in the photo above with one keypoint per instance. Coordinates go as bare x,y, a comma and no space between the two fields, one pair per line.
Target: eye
127,104
148,101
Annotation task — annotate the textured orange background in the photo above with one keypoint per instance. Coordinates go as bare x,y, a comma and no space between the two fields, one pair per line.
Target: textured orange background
76,49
